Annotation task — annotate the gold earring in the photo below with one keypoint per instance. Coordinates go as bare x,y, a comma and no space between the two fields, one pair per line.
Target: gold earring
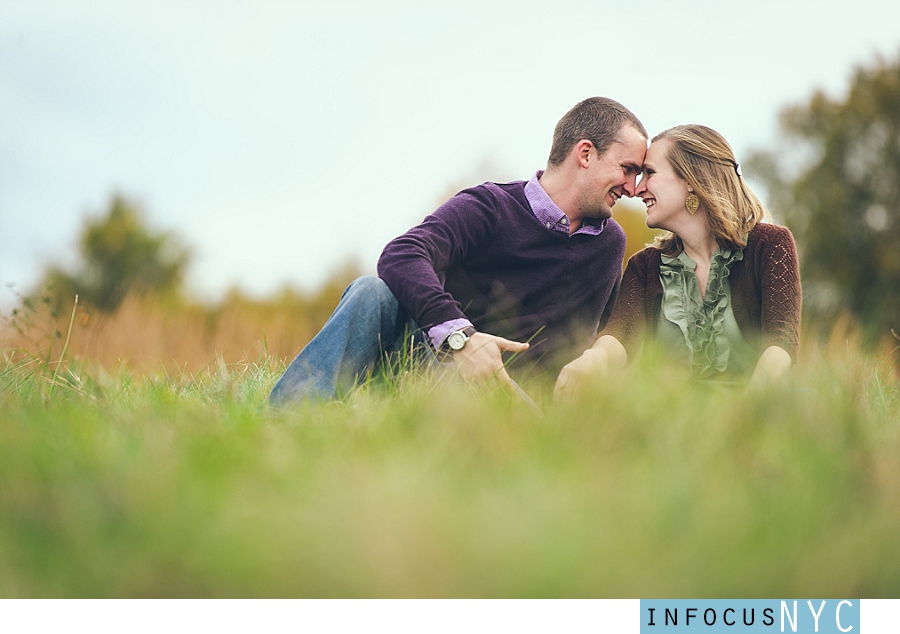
692,203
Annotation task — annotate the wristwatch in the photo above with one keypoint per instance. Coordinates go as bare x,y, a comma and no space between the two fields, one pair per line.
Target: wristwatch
457,339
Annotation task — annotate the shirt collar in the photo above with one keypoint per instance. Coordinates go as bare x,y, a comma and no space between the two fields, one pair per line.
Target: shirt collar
550,215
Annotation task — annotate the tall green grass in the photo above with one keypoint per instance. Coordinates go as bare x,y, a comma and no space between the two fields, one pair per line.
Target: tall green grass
648,485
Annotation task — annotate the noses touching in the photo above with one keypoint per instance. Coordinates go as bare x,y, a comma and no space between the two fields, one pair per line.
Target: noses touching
641,188
626,187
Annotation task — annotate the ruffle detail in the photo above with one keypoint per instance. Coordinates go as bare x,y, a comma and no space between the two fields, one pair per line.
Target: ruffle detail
701,321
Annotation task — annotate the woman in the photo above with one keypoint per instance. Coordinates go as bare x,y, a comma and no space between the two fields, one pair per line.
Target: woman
720,289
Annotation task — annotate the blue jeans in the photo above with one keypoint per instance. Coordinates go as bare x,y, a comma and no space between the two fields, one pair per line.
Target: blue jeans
367,323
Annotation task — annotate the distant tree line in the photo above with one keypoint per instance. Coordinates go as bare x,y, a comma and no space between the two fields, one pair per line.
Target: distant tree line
834,177
120,255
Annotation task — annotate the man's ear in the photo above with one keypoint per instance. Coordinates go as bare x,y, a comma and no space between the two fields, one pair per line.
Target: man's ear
582,151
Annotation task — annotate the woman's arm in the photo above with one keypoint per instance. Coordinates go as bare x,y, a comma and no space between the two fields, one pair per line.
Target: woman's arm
781,292
780,310
626,324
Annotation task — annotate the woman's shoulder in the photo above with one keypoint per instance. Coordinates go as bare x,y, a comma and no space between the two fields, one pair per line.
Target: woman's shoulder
766,231
645,256
644,263
765,236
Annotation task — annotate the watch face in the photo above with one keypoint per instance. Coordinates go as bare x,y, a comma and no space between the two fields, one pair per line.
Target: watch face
457,340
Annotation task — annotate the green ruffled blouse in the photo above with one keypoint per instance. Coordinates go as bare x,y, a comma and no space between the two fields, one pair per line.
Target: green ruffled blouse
702,330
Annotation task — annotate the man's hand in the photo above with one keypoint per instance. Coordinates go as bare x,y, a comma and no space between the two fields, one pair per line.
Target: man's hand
580,372
480,359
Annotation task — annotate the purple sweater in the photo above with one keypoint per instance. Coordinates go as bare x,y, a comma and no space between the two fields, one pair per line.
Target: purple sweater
483,255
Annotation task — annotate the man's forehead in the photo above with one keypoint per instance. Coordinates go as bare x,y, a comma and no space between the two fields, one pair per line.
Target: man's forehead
630,151
630,139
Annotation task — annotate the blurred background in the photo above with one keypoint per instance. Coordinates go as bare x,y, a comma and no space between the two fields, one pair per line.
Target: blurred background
207,176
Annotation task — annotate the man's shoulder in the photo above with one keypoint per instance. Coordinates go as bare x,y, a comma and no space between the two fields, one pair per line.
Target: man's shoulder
491,191
614,230
492,199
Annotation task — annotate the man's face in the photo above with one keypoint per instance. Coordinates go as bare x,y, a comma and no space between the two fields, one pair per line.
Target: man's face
613,174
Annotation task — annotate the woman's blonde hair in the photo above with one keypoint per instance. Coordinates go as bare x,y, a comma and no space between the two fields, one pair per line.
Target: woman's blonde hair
702,157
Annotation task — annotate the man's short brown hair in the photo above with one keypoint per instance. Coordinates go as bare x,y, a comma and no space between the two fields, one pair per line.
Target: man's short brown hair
597,119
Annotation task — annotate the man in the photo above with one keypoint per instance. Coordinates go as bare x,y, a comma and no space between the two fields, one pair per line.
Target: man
524,266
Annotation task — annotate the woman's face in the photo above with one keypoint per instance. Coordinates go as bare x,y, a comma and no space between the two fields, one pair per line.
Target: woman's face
662,190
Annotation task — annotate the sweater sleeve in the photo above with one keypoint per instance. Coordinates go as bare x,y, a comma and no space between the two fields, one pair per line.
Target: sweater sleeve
629,315
781,293
412,264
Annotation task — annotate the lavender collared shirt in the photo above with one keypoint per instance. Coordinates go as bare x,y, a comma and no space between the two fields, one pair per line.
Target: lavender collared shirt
552,217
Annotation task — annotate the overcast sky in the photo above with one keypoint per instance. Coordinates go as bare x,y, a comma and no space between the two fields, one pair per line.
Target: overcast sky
282,139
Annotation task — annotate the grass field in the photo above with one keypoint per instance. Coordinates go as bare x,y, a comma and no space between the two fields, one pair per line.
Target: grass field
651,485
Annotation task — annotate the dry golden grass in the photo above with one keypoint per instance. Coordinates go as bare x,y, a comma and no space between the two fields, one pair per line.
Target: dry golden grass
149,334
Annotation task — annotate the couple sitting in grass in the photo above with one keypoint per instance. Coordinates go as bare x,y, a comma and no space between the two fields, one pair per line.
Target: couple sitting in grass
508,280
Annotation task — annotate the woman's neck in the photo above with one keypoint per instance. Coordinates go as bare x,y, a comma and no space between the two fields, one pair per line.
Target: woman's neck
699,243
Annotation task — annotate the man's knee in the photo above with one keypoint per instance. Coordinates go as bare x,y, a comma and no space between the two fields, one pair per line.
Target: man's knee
371,291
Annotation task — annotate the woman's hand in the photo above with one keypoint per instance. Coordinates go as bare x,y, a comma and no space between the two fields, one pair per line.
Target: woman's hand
607,355
772,365
593,363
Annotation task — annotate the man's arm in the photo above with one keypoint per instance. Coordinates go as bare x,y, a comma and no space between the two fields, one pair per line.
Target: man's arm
412,264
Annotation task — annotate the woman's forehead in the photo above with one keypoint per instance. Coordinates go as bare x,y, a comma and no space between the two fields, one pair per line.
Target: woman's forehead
657,152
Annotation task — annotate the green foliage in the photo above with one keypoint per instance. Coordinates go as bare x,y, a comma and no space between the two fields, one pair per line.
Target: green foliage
835,179
651,484
120,255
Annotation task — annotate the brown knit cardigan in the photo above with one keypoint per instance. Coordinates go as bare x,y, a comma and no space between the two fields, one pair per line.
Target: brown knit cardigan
765,293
